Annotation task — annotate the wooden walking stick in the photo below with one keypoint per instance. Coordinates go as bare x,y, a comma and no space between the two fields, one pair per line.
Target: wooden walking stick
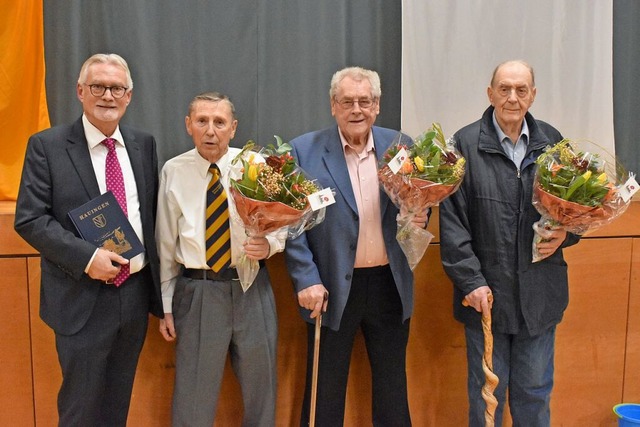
316,362
491,379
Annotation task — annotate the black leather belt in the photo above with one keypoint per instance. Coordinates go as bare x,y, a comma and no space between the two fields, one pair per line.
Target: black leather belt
372,271
208,274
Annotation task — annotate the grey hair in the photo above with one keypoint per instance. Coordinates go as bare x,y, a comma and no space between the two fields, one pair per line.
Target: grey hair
105,58
212,97
358,74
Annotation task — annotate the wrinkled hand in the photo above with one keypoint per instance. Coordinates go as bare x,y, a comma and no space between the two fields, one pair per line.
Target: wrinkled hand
167,328
420,219
102,267
481,299
256,248
314,298
550,240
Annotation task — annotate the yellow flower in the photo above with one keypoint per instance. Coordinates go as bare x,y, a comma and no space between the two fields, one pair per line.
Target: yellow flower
252,173
602,178
419,163
586,176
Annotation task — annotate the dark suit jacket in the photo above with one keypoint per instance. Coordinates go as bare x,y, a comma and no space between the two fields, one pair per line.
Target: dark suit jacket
326,253
58,176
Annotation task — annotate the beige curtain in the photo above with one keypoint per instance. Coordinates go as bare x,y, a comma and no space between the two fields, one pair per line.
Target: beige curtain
450,49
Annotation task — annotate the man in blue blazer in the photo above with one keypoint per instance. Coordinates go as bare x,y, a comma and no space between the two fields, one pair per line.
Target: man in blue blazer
353,257
99,327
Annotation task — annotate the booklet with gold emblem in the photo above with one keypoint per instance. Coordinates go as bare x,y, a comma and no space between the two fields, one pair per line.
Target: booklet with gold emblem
102,222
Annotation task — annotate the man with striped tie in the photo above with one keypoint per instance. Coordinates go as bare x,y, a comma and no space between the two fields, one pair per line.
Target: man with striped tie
205,308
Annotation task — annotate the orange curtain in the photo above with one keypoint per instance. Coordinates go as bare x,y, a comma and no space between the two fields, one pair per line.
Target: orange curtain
23,104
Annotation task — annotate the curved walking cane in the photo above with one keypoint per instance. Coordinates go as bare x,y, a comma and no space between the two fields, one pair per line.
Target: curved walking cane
314,372
491,379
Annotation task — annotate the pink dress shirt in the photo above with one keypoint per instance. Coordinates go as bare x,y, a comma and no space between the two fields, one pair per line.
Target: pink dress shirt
363,171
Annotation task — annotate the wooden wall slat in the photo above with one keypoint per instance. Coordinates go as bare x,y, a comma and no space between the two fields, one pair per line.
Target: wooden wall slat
592,371
46,370
16,393
590,341
631,392
10,242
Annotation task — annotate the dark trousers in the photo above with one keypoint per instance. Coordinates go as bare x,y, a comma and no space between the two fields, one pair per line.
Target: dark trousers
373,305
99,362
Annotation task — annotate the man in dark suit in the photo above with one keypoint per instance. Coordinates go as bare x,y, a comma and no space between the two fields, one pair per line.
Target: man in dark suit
354,257
99,325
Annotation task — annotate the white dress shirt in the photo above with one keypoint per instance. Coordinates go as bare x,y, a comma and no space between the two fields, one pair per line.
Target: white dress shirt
180,224
98,152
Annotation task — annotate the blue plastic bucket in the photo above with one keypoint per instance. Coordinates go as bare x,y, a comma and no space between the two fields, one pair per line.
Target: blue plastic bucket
628,414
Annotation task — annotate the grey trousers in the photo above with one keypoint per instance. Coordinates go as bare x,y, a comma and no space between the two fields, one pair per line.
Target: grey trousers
213,319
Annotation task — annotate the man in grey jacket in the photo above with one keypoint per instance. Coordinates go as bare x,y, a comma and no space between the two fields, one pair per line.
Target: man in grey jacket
486,232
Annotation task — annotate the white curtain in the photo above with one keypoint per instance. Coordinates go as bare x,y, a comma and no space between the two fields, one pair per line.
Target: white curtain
450,48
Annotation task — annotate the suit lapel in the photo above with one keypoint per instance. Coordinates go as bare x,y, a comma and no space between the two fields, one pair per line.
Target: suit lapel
337,166
79,153
381,146
135,157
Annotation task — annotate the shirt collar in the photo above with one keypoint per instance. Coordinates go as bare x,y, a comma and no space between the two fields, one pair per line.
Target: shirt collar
202,164
367,148
502,135
95,137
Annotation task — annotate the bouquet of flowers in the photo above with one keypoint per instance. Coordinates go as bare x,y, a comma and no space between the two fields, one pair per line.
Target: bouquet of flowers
417,175
271,193
578,190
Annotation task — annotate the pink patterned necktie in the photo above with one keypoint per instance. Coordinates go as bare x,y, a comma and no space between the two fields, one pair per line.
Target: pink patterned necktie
115,184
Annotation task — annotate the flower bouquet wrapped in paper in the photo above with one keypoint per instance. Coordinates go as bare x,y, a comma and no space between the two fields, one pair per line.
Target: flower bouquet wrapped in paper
271,194
417,175
578,190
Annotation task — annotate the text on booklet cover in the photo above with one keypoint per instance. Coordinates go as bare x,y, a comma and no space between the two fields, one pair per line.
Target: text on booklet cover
102,222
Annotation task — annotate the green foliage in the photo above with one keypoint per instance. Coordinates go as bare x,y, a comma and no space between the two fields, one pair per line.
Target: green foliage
573,175
278,179
430,158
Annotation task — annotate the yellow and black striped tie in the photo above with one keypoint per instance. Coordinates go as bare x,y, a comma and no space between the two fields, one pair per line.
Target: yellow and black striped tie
217,233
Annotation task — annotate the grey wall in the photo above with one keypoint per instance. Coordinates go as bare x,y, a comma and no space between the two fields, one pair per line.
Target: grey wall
274,58
626,82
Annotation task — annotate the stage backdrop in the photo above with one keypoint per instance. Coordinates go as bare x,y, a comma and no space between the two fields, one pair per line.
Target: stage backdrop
23,106
450,50
275,58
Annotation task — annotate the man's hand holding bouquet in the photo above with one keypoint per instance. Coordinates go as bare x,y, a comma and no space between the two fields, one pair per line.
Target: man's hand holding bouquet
273,195
578,190
417,175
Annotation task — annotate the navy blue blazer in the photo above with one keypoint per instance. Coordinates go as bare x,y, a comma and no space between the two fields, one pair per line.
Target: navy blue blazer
58,176
326,253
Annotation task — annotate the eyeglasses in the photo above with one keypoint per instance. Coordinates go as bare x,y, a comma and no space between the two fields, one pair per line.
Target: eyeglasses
348,103
116,91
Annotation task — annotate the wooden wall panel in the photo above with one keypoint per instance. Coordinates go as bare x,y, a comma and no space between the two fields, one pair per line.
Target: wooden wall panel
627,224
631,391
16,393
436,359
592,371
153,386
46,369
590,341
10,242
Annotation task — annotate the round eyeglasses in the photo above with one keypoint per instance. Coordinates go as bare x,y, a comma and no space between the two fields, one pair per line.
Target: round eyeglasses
116,91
